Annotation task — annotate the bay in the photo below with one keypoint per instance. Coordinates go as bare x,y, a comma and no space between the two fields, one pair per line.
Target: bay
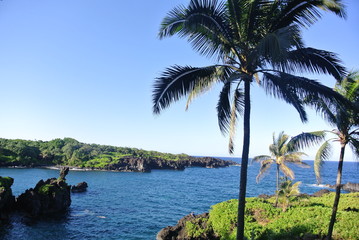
135,206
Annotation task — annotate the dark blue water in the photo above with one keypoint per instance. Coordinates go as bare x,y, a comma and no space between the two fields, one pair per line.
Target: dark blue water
137,205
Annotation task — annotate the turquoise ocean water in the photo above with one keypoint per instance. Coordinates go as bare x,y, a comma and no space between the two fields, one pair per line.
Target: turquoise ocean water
137,205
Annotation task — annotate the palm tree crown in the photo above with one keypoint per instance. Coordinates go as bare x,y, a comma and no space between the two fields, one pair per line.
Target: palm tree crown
281,155
253,40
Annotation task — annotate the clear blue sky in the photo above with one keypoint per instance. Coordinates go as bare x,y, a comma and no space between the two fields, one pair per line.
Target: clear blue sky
85,69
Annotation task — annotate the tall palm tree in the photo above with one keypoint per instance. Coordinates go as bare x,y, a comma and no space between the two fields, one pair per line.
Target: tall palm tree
253,40
346,132
281,154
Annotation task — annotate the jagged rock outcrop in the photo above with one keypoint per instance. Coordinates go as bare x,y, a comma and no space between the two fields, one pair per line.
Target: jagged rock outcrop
48,197
138,164
7,200
80,187
350,187
178,232
320,193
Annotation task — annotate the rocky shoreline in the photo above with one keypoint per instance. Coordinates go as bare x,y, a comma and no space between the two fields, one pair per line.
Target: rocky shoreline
51,196
349,187
138,164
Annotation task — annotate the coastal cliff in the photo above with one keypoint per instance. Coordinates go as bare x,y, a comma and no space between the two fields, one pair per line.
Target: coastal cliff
138,164
131,164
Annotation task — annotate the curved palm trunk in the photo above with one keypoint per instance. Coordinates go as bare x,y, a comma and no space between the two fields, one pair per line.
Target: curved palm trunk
277,187
337,192
244,165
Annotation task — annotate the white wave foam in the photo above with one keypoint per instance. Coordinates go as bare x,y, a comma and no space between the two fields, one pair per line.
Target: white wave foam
317,185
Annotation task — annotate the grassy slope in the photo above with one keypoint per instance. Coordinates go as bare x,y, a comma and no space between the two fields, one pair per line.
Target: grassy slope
307,217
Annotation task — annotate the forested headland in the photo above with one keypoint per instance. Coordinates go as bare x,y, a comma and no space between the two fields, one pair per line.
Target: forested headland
70,152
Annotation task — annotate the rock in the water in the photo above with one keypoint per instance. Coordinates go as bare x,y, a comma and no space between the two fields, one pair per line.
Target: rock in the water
63,172
320,193
80,187
48,197
265,196
7,200
351,187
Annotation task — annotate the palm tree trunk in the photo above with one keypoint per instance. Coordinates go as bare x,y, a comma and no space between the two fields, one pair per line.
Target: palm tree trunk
337,192
244,164
277,187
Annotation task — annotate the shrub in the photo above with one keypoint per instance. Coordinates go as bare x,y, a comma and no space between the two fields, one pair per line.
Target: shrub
308,216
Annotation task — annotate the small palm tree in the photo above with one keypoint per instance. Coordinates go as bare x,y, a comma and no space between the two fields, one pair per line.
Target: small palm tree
288,189
252,41
346,132
281,154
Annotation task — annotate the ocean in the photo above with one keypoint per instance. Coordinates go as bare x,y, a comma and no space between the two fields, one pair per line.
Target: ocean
134,206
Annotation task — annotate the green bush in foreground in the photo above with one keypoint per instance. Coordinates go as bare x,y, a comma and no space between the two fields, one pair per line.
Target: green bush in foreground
307,217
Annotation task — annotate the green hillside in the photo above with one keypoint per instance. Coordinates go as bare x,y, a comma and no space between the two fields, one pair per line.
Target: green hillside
69,151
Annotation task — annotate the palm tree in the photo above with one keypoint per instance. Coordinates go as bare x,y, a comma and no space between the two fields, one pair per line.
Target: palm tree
346,132
253,40
281,154
288,189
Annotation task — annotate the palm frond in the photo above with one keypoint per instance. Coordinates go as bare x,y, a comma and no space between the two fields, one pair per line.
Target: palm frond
224,108
260,158
349,87
203,23
279,87
354,145
305,13
198,89
300,164
265,165
281,143
178,81
237,109
252,21
324,108
275,46
294,90
324,152
286,170
223,73
294,190
294,157
305,140
235,9
313,61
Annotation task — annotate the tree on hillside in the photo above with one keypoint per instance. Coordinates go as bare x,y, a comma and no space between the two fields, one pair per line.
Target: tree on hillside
253,41
346,132
281,155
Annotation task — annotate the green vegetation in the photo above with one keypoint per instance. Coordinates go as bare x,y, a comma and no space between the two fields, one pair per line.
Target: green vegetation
46,189
69,151
6,182
197,227
287,191
307,216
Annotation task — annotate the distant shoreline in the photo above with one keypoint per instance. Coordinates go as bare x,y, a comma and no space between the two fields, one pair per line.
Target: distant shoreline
134,164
